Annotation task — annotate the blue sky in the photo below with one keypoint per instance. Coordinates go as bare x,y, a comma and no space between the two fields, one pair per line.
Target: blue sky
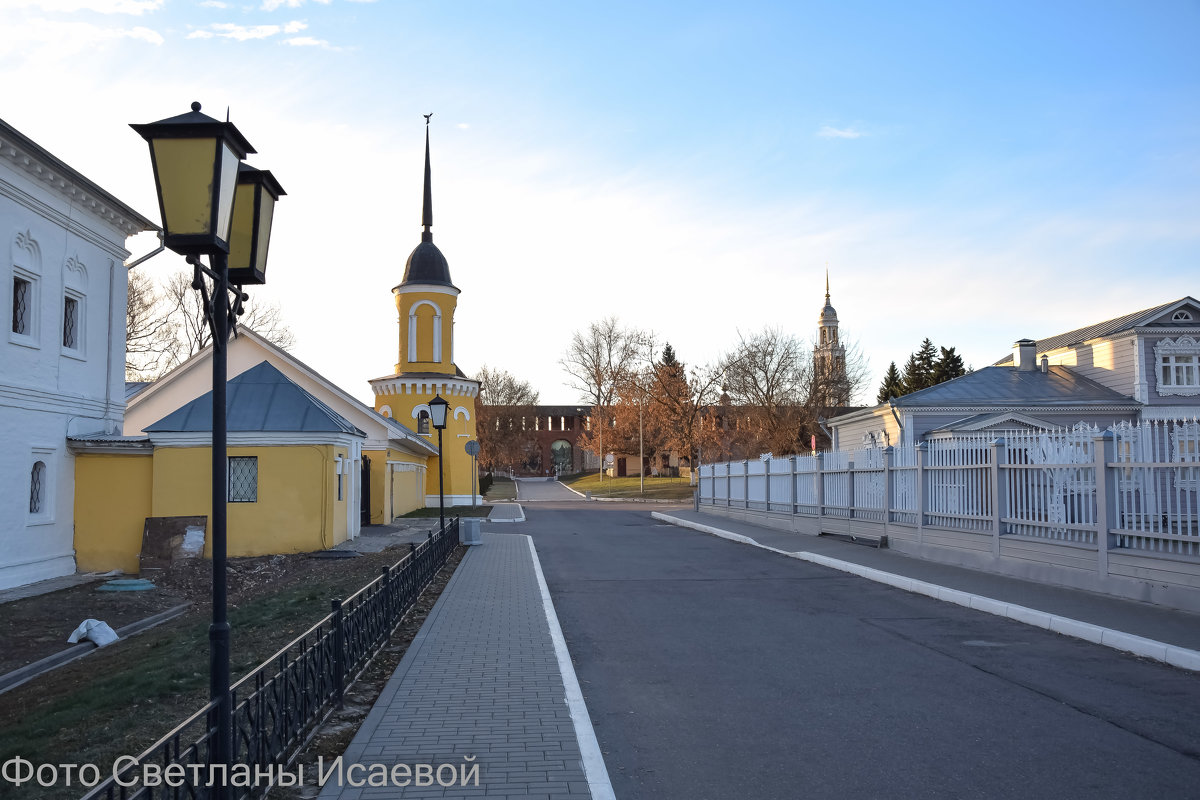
971,172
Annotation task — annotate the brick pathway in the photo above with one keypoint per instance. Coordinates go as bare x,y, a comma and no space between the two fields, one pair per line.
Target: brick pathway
480,679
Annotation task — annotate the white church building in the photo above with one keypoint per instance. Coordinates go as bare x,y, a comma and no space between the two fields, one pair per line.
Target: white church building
62,357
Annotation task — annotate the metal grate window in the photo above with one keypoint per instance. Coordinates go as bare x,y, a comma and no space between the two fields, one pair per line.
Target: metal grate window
70,323
423,422
243,479
21,305
37,488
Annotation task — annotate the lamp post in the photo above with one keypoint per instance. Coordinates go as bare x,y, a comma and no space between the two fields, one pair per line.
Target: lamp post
214,205
437,414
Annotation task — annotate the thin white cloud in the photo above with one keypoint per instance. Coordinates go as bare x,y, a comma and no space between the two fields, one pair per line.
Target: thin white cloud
830,132
309,41
244,33
134,7
272,5
65,38
461,125
214,4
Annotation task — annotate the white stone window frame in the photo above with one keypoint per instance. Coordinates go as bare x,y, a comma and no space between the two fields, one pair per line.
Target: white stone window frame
80,299
45,515
1166,351
29,339
412,332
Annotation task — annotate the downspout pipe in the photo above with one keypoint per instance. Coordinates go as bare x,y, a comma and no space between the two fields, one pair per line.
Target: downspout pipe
899,424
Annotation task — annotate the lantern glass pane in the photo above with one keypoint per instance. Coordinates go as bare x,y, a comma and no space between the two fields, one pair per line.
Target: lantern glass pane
241,237
264,227
229,169
185,171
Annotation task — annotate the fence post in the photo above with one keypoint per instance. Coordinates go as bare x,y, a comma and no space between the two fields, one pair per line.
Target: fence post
999,493
729,484
849,490
746,483
819,477
922,452
1104,453
385,573
339,652
887,488
792,487
767,482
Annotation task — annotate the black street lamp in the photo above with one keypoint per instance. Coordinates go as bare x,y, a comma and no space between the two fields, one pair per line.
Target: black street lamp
437,414
206,210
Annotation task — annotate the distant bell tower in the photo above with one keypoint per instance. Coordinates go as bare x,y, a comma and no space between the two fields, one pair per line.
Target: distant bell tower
425,301
829,358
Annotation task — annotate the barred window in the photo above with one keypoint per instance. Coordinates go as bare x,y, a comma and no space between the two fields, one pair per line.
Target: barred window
243,479
37,488
22,306
71,323
423,422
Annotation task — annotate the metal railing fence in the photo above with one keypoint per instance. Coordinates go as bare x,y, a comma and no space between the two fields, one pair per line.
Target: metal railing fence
279,703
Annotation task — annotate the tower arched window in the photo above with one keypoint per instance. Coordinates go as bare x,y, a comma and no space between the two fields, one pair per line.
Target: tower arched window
423,422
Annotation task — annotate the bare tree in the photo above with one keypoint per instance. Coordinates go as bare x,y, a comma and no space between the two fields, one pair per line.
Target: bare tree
192,332
166,327
504,401
149,332
768,377
599,361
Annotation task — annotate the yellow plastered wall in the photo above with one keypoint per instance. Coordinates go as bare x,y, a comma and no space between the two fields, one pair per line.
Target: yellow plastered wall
408,490
296,510
459,430
422,305
112,500
395,497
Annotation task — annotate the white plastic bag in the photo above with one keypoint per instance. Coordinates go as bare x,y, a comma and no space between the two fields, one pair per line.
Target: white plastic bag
94,630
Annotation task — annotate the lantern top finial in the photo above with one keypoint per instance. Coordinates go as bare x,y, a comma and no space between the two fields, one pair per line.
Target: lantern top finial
195,105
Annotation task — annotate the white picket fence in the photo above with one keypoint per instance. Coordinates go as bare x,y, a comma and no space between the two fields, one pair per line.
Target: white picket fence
1134,486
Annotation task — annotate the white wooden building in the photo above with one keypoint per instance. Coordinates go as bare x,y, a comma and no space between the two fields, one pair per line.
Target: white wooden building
1137,367
62,361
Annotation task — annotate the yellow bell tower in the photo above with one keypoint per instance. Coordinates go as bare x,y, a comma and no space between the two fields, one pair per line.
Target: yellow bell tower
426,301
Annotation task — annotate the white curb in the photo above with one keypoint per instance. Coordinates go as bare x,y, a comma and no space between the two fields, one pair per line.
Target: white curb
585,734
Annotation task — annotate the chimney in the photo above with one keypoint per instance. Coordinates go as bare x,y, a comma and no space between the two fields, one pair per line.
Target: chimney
1025,355
1045,362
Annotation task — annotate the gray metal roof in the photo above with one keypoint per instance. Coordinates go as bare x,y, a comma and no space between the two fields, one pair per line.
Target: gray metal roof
1106,328
1009,386
260,399
133,387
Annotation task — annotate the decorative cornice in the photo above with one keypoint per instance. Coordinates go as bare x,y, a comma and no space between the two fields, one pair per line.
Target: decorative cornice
437,288
43,167
449,386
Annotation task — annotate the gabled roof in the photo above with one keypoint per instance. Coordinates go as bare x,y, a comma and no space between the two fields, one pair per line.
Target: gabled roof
1106,328
260,399
1009,386
980,422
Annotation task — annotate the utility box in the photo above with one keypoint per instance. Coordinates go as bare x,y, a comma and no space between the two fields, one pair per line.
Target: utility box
470,530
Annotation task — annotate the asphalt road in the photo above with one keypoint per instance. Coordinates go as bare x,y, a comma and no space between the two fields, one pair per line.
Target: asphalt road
716,670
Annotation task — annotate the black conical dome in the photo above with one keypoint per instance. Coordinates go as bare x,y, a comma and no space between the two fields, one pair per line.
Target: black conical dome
426,264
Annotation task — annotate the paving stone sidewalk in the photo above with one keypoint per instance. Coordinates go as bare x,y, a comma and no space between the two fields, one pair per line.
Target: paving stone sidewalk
480,679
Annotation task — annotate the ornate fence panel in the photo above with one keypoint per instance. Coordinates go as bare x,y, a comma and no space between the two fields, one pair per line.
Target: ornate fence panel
1157,503
781,484
284,698
957,483
1049,480
737,482
904,503
805,485
869,483
756,485
836,477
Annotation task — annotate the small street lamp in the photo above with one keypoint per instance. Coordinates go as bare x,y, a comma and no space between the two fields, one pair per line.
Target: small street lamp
437,413
213,205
